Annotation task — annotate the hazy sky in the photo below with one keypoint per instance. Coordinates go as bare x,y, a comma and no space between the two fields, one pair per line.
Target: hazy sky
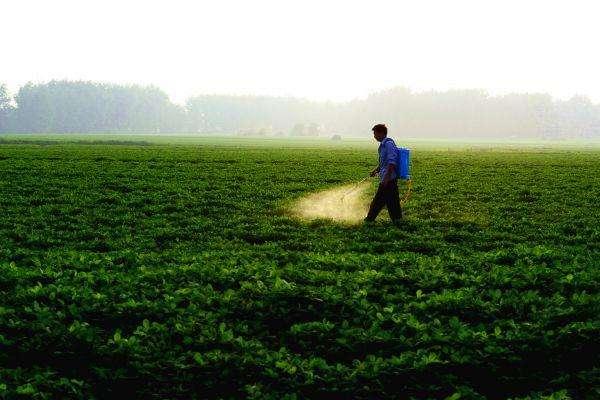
323,49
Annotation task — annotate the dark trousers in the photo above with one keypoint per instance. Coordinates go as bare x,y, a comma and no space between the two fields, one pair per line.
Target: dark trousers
388,197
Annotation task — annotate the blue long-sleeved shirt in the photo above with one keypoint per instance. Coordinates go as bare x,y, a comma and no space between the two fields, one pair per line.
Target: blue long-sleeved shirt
387,155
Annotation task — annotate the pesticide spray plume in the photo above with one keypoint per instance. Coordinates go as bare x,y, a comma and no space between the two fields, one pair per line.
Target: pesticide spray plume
345,204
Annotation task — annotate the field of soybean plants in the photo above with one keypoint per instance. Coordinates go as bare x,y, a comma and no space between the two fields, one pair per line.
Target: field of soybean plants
148,270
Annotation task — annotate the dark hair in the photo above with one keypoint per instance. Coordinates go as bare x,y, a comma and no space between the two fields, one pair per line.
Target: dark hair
380,128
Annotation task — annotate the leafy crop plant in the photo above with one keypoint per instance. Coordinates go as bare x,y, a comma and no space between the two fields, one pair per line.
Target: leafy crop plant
157,271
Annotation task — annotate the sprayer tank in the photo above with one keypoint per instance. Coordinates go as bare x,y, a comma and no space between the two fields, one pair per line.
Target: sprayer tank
404,163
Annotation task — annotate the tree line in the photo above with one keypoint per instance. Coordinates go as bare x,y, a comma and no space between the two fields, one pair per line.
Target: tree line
91,107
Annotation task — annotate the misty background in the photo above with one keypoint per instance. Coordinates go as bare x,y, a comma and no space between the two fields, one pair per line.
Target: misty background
310,68
90,107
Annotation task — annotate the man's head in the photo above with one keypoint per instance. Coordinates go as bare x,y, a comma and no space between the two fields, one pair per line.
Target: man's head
379,132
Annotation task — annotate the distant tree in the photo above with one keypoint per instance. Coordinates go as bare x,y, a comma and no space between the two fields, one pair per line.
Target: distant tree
312,129
66,106
5,99
298,130
6,108
579,118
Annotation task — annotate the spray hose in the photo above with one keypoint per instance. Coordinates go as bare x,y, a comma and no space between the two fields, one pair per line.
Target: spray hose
408,192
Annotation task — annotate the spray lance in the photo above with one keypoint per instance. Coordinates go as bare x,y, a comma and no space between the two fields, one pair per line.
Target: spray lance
354,187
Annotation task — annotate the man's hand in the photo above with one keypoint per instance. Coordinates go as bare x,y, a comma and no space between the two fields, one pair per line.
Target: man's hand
374,172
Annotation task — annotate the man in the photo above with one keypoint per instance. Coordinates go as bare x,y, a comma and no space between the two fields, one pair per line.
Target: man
387,192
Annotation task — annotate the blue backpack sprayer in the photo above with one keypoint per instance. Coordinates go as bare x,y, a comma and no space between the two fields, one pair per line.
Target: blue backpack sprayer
403,165
404,172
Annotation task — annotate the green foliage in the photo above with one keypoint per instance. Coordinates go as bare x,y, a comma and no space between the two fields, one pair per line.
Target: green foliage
175,272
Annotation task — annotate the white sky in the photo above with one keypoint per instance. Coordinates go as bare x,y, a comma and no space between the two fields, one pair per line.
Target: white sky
322,49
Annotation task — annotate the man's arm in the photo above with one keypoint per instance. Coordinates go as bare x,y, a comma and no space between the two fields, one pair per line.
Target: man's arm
375,171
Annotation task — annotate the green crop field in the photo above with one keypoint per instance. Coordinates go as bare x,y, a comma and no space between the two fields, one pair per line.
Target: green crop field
148,270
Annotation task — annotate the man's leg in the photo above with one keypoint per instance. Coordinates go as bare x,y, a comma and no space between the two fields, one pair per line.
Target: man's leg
376,204
392,201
